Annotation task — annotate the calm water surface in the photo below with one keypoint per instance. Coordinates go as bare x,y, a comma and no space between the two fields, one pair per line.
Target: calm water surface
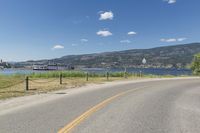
154,71
17,71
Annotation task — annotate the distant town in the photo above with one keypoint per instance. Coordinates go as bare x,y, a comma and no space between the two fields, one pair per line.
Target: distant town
4,64
47,66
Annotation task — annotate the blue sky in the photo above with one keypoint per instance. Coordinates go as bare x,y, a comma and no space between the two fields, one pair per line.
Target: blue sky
45,29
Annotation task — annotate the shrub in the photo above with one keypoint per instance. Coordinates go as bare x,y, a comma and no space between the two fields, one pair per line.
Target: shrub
196,65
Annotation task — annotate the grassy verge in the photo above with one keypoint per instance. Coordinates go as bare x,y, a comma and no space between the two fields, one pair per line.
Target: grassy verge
14,86
44,85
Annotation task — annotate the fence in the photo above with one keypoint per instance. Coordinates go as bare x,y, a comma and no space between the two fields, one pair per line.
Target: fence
18,86
87,76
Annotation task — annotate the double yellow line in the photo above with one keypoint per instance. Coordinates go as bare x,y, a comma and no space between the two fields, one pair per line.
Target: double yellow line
97,107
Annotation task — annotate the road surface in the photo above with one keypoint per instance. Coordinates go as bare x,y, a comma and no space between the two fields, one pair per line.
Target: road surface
165,106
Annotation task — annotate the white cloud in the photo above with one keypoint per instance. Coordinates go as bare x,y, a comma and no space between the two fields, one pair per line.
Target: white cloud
106,15
173,39
131,33
168,40
125,41
58,47
84,40
181,39
104,33
170,1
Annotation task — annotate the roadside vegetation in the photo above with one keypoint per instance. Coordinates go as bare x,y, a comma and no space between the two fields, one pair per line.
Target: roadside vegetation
56,74
196,64
15,85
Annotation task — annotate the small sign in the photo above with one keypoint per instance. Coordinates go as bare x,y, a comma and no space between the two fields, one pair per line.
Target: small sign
144,61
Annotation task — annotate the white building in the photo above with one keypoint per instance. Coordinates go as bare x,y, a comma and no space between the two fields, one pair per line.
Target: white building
50,67
40,67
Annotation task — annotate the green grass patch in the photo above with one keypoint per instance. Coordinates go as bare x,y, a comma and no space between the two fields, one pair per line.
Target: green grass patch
56,74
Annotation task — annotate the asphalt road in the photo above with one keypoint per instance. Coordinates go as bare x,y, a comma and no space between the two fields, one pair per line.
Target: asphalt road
171,106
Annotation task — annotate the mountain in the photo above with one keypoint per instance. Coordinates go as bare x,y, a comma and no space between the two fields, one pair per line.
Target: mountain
169,56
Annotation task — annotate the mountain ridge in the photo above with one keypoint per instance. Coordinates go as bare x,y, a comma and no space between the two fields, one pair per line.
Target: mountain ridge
159,57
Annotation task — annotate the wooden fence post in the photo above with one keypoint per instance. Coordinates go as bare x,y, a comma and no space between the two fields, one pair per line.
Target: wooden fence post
125,74
60,78
27,83
107,75
87,76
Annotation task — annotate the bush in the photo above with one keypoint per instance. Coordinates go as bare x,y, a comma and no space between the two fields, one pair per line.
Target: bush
196,65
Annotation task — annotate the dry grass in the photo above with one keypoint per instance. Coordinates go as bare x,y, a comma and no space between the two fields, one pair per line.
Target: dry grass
14,86
37,86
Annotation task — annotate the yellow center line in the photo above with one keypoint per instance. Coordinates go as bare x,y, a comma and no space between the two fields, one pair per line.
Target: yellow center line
97,107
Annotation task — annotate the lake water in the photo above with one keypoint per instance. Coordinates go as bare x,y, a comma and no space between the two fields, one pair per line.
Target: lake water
18,71
154,71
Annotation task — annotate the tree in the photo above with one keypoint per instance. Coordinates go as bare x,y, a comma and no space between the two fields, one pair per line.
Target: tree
196,64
